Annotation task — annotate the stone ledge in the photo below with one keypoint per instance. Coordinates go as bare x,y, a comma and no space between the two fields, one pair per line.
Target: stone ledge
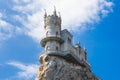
52,38
68,56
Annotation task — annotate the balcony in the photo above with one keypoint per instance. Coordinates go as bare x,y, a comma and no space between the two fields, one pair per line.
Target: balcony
52,38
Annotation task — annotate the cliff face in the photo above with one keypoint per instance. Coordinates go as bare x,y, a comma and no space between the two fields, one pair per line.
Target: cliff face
57,68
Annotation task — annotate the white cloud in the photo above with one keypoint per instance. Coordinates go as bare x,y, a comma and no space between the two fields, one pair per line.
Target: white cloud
1,15
27,72
5,30
75,14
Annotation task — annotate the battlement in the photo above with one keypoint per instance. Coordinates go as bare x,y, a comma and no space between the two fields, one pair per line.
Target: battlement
50,20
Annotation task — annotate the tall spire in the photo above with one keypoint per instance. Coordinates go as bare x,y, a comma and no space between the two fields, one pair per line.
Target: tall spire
79,43
55,11
45,15
59,18
59,14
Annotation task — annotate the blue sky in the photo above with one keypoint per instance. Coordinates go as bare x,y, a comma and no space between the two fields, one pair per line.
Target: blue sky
95,23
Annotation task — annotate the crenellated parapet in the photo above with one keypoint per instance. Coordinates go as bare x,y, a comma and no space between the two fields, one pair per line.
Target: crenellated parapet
52,20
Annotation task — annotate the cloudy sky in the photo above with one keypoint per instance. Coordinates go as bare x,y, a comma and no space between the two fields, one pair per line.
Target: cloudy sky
95,23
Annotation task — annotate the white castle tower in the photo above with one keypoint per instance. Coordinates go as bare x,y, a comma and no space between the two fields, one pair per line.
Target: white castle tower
52,27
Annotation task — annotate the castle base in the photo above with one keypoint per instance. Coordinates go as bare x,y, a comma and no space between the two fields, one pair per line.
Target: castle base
56,68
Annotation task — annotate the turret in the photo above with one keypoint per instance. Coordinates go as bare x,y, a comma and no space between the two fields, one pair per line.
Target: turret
52,26
85,53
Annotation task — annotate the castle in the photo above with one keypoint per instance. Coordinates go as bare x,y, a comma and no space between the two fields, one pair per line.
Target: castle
59,51
59,42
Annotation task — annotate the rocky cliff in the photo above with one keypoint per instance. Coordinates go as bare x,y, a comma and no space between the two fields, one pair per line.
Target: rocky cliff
58,68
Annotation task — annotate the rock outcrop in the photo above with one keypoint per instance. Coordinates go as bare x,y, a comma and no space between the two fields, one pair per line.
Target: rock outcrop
57,68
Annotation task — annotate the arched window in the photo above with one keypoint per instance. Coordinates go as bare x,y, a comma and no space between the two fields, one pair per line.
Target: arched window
56,33
56,47
69,40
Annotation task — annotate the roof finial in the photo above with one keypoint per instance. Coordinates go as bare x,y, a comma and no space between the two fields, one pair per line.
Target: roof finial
84,49
45,13
54,10
79,43
59,14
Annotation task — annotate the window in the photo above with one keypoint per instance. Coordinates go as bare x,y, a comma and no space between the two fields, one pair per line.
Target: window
69,40
56,33
56,47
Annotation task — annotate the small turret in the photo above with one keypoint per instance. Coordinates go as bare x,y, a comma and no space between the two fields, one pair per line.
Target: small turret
54,11
78,45
45,15
85,53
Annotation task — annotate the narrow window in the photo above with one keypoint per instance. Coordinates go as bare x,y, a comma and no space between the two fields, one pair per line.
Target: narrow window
56,33
56,47
69,40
